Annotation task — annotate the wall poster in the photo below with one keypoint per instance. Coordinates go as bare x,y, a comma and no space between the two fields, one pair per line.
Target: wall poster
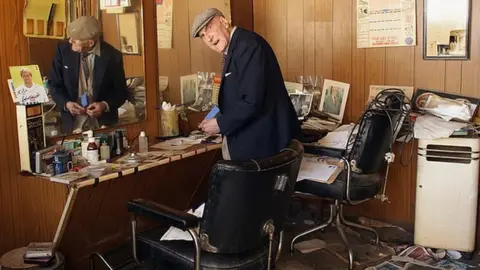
386,23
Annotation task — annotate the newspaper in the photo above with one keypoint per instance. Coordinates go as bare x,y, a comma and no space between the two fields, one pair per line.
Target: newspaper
415,256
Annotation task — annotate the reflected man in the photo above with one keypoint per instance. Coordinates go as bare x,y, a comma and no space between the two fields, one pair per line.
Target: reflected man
87,79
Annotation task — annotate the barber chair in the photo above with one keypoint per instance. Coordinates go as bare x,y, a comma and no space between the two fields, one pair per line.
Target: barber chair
366,163
242,220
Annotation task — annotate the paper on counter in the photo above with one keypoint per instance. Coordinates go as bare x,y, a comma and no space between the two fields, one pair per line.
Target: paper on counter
431,127
338,138
177,234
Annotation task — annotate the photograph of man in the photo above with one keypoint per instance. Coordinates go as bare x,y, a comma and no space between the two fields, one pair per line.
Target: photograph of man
87,79
29,92
333,100
257,118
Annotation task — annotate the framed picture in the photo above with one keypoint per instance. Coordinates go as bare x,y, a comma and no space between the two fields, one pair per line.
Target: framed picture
375,89
189,88
129,33
302,102
446,29
334,99
26,85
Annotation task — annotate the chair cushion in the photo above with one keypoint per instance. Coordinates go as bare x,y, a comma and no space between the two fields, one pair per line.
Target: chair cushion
180,254
362,186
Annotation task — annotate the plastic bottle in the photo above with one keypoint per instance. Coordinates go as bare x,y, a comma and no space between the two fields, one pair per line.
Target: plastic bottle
142,143
92,151
105,151
86,136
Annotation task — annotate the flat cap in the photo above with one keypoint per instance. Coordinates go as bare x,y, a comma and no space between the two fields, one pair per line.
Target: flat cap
202,19
83,28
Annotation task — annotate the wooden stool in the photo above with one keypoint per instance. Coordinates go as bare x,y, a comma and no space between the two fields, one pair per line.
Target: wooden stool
14,260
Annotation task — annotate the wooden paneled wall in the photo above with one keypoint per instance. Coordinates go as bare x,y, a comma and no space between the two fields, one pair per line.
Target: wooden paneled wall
28,204
188,55
318,37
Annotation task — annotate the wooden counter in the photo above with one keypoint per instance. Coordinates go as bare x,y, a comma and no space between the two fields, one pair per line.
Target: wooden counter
95,216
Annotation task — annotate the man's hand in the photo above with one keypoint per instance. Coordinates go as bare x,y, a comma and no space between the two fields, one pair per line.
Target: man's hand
210,127
75,108
96,109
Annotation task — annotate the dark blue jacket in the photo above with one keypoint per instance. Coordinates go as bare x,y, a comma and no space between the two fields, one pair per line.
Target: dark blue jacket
257,116
108,81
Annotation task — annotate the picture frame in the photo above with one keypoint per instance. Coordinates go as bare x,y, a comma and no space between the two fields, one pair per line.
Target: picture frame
129,33
446,29
374,90
302,103
189,88
334,99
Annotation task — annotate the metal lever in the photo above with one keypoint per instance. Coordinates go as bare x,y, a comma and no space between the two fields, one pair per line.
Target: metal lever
389,157
269,229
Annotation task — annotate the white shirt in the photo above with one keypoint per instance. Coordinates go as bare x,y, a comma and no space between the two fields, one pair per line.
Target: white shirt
30,95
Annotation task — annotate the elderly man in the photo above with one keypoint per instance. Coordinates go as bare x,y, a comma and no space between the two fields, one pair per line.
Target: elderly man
257,118
87,79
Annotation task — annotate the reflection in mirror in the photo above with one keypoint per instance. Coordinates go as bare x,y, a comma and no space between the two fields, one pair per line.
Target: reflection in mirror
124,32
446,29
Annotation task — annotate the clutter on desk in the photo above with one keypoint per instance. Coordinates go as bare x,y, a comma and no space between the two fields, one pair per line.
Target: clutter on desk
446,106
314,123
183,143
340,137
432,127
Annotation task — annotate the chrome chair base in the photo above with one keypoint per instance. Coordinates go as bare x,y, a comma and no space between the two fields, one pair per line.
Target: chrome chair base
337,219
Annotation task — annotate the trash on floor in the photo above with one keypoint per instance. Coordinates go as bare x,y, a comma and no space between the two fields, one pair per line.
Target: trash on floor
310,245
415,256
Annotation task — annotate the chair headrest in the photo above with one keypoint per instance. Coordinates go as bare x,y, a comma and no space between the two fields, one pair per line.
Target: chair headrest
292,152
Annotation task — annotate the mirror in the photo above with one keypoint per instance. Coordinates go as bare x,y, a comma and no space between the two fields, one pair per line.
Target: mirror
447,29
122,29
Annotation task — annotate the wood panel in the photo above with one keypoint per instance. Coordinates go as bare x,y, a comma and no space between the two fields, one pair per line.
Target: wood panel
328,43
100,221
188,55
30,208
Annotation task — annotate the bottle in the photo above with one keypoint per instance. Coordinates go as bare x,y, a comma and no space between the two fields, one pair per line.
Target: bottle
105,151
92,151
86,136
118,143
142,143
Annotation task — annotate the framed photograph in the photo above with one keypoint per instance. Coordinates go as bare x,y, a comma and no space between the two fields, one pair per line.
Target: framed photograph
375,89
129,33
446,30
27,85
189,88
293,87
302,102
334,99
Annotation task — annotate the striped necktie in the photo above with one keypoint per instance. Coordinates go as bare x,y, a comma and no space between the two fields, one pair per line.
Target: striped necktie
85,66
224,57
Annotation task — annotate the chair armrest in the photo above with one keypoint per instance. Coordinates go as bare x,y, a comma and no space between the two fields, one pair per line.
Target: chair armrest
172,217
324,151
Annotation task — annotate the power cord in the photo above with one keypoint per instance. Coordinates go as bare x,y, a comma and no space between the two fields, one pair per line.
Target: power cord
390,101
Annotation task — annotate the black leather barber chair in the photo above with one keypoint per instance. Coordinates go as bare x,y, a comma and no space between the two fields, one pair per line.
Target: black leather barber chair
366,163
244,213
